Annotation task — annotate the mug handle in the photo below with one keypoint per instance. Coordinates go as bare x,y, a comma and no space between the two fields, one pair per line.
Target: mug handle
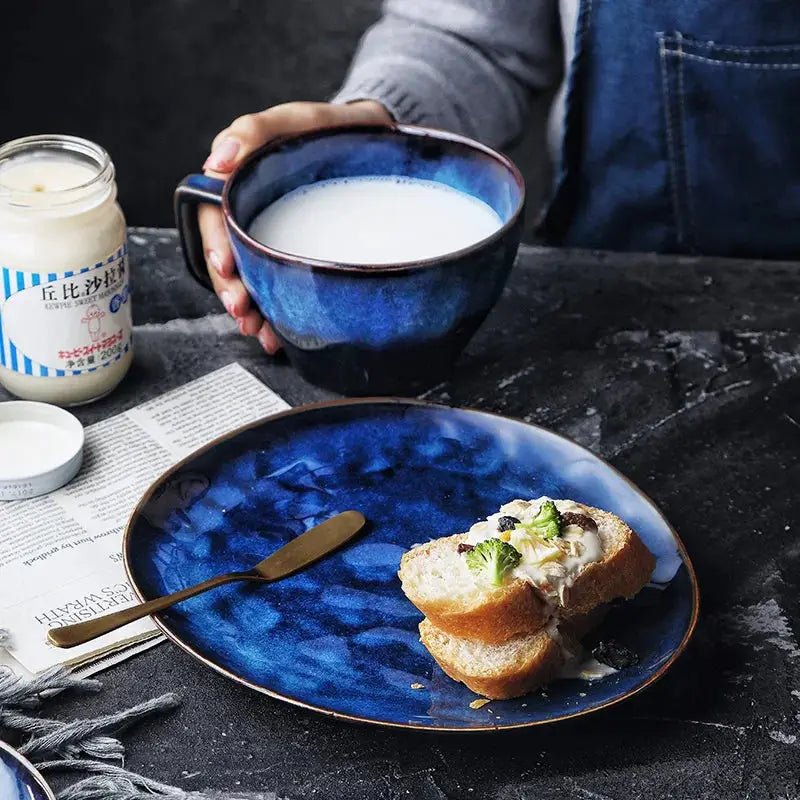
191,191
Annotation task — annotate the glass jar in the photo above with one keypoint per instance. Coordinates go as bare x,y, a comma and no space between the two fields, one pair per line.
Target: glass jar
65,308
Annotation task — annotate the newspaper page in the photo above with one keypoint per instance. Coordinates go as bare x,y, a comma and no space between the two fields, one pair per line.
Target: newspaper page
60,555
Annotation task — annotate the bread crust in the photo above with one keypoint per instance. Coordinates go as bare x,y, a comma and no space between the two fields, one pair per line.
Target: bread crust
496,614
539,664
493,616
622,573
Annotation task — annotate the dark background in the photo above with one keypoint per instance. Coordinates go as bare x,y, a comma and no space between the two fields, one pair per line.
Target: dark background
153,82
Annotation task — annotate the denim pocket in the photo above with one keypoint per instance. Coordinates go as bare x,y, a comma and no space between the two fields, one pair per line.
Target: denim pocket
732,116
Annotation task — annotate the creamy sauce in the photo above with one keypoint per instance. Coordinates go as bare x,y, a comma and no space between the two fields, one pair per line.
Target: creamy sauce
28,447
576,663
588,669
374,220
549,565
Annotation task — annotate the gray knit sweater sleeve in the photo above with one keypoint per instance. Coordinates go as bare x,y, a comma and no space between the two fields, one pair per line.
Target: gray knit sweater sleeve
464,65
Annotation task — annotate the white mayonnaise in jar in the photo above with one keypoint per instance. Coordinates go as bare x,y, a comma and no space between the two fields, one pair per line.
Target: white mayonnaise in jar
65,308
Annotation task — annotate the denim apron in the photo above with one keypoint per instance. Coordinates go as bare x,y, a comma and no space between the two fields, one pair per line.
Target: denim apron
682,129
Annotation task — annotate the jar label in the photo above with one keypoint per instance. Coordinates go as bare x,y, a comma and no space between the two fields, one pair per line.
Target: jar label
66,323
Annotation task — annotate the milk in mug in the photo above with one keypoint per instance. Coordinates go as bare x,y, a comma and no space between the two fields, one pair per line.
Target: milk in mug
374,220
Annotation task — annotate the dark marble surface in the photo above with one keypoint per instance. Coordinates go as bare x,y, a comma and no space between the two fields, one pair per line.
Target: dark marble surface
685,374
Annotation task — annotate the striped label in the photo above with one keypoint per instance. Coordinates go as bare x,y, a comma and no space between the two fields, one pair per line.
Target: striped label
65,323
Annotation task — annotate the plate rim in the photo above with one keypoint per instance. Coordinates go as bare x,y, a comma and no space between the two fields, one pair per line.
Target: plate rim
31,769
328,712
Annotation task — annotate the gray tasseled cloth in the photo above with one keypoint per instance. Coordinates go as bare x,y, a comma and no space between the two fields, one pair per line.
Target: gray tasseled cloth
86,745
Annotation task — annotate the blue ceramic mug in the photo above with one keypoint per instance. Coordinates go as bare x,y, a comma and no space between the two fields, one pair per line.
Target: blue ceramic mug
355,329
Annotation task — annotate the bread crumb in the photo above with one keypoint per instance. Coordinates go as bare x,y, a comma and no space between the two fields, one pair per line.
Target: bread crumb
417,686
479,703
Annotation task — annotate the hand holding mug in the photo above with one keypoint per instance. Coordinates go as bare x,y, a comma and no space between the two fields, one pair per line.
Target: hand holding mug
228,150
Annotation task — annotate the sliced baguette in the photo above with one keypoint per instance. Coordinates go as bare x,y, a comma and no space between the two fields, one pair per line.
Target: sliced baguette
515,667
625,568
498,671
436,580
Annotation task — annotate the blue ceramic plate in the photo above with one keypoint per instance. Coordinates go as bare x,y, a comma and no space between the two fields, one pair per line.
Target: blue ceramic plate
341,638
19,780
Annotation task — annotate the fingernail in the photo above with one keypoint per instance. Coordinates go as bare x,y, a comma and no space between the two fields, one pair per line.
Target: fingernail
227,301
223,154
240,323
215,261
267,341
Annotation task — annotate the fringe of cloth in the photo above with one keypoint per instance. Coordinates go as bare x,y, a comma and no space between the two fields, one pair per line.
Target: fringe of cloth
86,745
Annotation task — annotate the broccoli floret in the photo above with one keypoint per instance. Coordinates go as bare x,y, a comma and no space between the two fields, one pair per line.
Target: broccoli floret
492,559
547,522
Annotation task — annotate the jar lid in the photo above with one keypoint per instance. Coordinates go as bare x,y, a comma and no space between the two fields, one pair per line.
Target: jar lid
41,448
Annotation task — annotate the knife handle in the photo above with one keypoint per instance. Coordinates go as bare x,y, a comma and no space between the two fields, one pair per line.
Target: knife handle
83,632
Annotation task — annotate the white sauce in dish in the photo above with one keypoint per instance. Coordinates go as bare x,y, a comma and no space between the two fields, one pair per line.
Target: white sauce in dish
29,447
551,567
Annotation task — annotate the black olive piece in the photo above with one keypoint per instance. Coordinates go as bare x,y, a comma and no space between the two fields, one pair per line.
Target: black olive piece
615,655
507,523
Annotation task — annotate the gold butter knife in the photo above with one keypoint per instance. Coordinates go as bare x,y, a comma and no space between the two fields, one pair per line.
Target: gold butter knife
307,548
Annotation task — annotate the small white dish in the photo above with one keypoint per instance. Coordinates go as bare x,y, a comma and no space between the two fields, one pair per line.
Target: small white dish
41,448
